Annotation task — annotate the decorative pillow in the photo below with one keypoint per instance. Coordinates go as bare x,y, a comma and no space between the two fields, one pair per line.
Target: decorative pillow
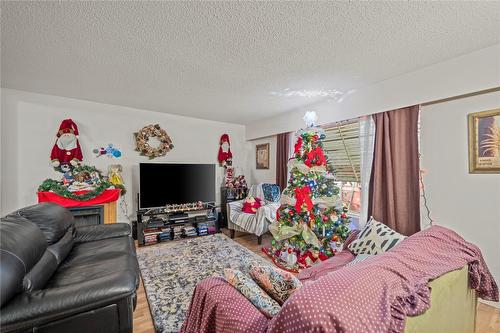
252,292
359,258
279,284
271,192
375,238
251,205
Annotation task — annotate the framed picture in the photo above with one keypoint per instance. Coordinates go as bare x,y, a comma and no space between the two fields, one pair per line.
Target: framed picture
484,142
262,156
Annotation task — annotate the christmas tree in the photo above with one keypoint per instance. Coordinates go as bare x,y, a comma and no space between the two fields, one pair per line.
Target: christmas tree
311,222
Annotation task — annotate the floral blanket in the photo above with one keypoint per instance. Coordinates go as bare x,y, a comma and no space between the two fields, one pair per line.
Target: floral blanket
375,295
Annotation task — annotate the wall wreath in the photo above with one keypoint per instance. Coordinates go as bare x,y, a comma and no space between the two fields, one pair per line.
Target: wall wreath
142,141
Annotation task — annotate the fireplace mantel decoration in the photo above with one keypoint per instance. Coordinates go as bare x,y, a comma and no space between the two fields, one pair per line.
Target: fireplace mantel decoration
83,183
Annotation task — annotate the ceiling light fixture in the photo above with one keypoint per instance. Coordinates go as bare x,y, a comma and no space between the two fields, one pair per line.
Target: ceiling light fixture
287,92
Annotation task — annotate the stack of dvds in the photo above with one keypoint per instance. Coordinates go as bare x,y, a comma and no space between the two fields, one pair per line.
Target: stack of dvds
177,232
202,229
151,236
165,234
190,231
150,239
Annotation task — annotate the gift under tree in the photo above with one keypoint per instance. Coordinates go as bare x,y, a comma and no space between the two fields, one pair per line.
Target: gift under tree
311,222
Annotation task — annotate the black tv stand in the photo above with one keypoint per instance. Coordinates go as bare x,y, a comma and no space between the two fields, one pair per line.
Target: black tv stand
178,216
161,225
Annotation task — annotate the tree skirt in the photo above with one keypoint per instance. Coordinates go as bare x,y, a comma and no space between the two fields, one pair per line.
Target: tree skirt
170,272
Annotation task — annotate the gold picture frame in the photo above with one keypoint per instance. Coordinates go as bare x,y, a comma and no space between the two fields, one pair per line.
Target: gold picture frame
262,156
484,141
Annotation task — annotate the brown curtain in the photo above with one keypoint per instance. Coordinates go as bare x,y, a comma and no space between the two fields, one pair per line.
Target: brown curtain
394,185
282,160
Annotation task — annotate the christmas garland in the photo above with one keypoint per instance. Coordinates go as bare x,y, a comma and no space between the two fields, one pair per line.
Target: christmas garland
62,190
143,146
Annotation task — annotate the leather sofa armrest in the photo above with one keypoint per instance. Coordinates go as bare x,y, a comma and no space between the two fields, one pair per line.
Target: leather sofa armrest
51,304
91,233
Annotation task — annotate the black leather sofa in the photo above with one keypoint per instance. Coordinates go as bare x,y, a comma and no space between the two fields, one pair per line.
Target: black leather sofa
56,277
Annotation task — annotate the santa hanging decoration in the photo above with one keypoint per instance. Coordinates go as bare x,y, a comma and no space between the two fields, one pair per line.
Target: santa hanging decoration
225,156
66,150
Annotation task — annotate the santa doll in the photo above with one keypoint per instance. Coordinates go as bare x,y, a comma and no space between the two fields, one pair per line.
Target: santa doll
66,150
225,156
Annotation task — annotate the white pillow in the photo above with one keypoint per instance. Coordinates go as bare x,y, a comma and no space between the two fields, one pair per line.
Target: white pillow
375,238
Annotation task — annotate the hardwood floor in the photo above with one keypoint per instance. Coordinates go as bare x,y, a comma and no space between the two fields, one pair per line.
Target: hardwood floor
488,317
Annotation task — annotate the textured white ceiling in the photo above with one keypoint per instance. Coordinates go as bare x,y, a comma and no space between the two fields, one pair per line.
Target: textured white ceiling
230,61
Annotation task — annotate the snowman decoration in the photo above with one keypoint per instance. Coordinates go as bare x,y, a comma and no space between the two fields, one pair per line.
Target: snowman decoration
66,152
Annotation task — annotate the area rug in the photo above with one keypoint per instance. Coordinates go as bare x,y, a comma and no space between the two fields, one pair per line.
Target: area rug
170,272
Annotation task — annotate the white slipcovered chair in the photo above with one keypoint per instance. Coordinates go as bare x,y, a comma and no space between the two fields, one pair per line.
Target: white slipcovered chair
259,222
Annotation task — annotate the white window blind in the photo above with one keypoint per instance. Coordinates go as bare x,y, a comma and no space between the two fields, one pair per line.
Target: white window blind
342,146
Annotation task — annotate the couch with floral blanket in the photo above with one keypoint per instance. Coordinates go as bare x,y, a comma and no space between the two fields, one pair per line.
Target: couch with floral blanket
259,222
389,292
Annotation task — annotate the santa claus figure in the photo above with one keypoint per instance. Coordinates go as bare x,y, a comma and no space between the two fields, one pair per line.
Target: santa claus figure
225,156
66,150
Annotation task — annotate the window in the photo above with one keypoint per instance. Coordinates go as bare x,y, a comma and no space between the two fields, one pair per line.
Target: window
342,146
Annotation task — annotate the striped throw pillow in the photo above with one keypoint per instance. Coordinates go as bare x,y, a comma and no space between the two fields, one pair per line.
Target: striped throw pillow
375,238
359,258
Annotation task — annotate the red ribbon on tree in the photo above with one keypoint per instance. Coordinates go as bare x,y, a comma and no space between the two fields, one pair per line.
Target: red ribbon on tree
303,196
298,144
315,156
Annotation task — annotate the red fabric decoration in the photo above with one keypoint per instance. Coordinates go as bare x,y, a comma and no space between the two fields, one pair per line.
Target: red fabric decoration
107,196
315,154
323,256
298,144
302,259
66,149
251,205
303,196
223,156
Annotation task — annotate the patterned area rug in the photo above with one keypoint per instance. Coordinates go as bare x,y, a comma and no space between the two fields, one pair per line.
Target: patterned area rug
170,272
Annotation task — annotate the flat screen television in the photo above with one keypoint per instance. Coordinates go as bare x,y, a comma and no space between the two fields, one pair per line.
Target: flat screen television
164,184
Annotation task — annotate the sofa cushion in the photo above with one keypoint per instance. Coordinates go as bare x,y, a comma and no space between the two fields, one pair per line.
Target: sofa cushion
53,220
82,271
106,248
279,284
22,244
94,260
252,292
272,192
375,238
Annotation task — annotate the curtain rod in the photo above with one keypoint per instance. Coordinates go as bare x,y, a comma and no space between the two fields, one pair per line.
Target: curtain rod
437,101
448,99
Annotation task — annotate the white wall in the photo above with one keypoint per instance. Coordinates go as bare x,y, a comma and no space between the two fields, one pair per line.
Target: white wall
263,175
30,122
472,72
467,203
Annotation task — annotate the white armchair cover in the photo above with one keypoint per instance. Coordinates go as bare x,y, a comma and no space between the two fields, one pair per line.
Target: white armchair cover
257,223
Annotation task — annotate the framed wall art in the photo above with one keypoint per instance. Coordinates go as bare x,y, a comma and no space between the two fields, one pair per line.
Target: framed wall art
262,156
484,141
